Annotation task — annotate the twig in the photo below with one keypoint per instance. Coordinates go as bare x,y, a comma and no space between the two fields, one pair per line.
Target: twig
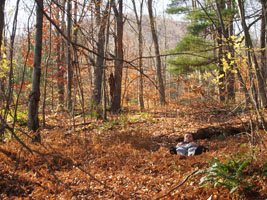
168,193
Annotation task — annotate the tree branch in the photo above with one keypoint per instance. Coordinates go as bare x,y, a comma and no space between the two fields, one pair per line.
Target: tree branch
177,186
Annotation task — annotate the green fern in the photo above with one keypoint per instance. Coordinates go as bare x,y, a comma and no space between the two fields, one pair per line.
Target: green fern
264,169
230,174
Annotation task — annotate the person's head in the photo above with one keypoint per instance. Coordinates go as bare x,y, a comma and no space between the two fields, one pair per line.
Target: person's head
188,137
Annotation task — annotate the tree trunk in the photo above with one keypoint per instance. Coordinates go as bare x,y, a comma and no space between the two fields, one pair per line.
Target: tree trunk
2,26
98,68
75,60
61,59
116,100
11,81
140,53
105,95
221,72
252,55
46,68
2,23
244,87
263,41
34,97
230,76
157,52
225,49
69,58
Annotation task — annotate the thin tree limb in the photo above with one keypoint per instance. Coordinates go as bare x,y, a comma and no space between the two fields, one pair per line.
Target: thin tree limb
177,186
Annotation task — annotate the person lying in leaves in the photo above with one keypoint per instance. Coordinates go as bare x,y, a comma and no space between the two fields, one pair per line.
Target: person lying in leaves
188,147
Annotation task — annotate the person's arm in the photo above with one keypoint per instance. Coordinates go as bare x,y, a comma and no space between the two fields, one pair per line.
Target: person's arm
193,143
179,144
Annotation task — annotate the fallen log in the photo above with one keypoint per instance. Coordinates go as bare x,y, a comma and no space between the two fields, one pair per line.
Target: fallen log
212,132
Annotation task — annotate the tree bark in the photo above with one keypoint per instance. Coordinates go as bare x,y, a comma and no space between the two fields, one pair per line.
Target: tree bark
252,55
2,23
140,53
263,41
221,72
116,100
61,58
69,58
2,26
47,62
227,74
157,53
98,68
230,76
11,82
34,97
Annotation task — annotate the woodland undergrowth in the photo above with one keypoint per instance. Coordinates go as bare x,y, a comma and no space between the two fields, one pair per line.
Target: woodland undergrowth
127,157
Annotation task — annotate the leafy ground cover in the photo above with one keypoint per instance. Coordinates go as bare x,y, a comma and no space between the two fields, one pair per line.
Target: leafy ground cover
127,157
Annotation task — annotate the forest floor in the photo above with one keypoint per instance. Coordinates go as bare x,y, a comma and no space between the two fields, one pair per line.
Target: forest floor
128,157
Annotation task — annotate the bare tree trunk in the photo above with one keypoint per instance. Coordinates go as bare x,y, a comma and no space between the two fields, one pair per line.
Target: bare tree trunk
140,53
77,80
116,100
2,26
23,72
11,81
98,68
230,85
46,67
252,55
225,82
165,58
69,58
156,45
105,67
61,58
244,87
11,73
226,32
75,59
34,97
2,22
221,72
104,94
263,41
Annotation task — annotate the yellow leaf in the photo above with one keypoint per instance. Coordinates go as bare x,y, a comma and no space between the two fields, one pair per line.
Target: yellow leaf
10,12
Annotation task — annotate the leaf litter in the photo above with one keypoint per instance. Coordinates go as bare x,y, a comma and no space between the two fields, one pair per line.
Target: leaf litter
125,158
